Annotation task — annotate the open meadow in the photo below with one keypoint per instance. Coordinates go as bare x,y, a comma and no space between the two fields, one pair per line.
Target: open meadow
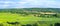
16,17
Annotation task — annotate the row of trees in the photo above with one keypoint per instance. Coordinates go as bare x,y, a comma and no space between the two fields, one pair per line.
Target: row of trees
27,11
31,9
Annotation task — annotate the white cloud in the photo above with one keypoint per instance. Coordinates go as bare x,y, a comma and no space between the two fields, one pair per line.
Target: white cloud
33,3
22,2
39,3
29,3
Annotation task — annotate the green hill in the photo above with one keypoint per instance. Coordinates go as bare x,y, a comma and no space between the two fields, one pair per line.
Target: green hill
30,17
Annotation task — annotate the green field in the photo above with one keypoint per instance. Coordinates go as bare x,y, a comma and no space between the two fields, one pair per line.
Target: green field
8,18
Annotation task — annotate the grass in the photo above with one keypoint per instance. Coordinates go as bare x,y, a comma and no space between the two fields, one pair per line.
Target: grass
4,17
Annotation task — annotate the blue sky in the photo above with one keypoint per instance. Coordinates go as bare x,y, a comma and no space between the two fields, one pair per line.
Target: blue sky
29,3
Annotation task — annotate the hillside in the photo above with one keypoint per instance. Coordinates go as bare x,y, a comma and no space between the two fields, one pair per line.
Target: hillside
30,17
32,10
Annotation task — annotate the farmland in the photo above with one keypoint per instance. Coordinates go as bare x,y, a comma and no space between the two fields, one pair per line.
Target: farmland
29,17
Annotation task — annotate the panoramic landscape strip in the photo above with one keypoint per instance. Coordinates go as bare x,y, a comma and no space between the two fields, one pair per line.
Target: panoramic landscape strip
30,17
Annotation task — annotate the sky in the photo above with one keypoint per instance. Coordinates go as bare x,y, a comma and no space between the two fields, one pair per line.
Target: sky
29,3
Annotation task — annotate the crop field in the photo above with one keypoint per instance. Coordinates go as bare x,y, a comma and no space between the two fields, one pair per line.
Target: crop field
13,18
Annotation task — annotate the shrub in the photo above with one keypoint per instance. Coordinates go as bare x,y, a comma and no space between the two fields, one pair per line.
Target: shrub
28,25
13,23
1,24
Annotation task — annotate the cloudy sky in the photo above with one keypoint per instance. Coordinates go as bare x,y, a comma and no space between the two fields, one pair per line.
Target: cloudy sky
29,3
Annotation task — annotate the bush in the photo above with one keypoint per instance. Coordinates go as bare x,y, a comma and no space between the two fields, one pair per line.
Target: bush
1,24
35,24
13,23
28,25
23,25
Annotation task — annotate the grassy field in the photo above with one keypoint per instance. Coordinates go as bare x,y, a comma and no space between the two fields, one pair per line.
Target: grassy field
29,19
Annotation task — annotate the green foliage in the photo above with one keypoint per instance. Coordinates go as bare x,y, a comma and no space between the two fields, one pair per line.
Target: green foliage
1,24
13,14
27,11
